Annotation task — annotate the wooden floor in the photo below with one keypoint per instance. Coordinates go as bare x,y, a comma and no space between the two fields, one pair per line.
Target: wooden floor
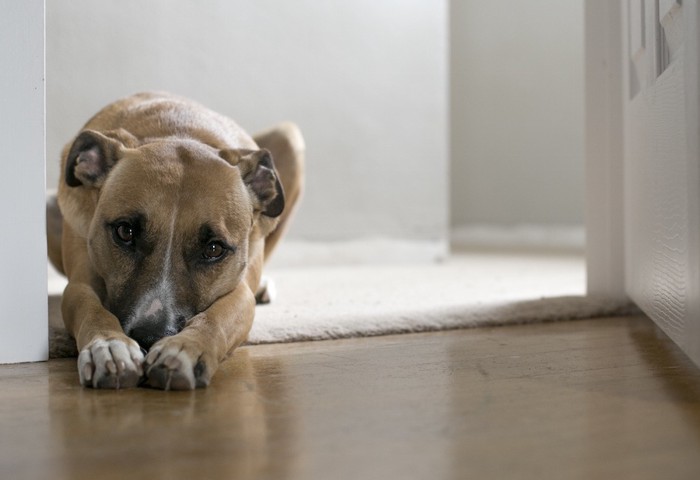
609,398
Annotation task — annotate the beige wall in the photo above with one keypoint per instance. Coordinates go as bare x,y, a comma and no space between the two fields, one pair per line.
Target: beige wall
366,81
517,119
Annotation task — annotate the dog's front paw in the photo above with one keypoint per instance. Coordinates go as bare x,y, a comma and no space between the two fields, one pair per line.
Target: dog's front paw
178,364
110,363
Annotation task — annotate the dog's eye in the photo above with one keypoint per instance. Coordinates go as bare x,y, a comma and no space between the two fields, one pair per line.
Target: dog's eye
124,232
213,251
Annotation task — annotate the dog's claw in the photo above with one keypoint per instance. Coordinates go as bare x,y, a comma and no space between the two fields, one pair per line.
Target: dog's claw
152,356
87,373
111,367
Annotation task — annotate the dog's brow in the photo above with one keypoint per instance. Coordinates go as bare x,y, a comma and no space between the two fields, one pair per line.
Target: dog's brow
208,232
135,218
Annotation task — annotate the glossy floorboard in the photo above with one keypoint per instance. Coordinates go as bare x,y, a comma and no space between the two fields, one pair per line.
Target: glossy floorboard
608,398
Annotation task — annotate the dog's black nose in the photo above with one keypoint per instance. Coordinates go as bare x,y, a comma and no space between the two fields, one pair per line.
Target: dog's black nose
155,321
147,335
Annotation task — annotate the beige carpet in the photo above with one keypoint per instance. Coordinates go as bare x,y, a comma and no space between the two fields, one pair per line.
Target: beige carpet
468,290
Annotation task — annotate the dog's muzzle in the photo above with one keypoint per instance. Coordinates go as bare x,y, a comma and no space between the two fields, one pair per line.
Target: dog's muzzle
155,322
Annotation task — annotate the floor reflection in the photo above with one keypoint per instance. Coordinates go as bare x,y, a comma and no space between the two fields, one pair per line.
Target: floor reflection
225,426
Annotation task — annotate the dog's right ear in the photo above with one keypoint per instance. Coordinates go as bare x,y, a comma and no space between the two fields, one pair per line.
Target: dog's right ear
90,158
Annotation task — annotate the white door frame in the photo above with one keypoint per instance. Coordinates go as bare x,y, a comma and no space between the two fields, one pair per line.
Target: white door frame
604,156
23,274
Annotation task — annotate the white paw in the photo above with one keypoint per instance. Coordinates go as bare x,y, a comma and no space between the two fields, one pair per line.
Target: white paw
112,363
266,291
175,364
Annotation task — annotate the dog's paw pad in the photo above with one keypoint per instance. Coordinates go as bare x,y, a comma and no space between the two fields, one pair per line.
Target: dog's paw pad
112,363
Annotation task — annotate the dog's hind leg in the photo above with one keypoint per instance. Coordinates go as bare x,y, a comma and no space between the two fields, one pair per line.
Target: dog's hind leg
286,144
54,231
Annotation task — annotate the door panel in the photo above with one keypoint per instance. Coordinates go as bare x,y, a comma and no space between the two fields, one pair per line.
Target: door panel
659,167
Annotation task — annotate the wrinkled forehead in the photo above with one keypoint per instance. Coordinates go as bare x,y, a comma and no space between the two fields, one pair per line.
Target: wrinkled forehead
214,200
191,187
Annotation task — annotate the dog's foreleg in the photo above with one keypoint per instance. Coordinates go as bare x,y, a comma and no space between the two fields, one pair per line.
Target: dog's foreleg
189,359
108,358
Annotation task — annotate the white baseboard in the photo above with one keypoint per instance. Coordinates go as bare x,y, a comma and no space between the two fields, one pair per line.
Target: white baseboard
566,238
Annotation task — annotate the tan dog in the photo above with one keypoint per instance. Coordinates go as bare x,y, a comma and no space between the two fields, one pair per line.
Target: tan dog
169,212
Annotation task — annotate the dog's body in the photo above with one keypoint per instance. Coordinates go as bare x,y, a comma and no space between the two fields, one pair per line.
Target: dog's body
169,211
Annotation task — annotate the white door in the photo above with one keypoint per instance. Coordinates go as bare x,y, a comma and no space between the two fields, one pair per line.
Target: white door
661,164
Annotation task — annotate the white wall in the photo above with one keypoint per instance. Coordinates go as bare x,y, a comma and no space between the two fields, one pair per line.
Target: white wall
366,80
23,307
517,132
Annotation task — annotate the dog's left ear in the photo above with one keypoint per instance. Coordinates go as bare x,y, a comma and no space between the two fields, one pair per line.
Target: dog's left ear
261,178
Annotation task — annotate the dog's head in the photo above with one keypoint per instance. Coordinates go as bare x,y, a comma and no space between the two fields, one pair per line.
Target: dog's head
167,223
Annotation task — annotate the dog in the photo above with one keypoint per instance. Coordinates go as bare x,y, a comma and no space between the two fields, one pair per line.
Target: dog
167,212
